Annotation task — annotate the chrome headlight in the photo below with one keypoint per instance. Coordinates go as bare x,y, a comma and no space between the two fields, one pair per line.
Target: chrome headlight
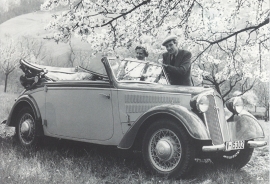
200,103
235,105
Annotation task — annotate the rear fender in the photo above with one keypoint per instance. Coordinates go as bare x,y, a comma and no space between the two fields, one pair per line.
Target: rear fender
245,126
192,123
22,101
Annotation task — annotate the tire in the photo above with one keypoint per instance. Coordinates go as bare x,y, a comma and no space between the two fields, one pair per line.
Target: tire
234,159
26,128
167,149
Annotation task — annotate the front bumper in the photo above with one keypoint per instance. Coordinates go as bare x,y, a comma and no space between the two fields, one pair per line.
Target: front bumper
221,147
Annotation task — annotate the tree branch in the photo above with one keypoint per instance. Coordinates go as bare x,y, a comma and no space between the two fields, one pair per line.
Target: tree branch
124,14
266,21
201,53
232,85
163,16
252,28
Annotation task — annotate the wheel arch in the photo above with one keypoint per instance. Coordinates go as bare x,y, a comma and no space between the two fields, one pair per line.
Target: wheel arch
190,122
25,101
148,122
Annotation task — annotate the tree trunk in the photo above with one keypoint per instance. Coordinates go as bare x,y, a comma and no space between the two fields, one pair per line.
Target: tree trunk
266,118
5,89
268,112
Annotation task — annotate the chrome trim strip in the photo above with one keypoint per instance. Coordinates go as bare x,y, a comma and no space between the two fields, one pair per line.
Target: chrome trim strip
86,85
80,88
112,89
130,90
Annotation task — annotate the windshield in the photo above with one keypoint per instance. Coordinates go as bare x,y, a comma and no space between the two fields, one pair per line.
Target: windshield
132,70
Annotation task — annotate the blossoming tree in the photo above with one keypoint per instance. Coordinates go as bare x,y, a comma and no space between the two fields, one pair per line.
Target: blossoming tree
228,39
10,55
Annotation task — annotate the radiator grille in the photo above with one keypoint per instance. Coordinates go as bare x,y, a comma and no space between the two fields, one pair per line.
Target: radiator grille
222,119
212,119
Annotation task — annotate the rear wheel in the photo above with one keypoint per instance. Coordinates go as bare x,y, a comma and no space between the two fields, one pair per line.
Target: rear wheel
235,159
167,149
26,128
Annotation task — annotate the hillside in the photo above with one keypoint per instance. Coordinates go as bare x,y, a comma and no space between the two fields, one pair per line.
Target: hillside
32,25
14,8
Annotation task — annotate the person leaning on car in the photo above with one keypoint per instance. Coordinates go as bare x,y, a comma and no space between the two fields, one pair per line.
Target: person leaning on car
141,53
176,62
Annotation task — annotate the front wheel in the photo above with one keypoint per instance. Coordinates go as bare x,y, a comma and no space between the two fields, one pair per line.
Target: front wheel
167,149
235,159
26,128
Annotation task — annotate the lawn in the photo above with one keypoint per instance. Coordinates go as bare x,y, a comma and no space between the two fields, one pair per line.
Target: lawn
62,161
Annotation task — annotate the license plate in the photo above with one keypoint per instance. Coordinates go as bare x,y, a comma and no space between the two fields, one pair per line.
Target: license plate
235,145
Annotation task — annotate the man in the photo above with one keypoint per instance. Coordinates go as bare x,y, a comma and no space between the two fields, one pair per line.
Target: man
177,62
141,53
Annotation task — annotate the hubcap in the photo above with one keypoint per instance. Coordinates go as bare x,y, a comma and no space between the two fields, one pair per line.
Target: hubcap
165,150
27,129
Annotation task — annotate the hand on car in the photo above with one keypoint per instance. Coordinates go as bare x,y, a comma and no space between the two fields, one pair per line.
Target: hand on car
167,67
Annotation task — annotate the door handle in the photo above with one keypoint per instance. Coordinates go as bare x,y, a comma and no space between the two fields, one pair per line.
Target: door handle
107,96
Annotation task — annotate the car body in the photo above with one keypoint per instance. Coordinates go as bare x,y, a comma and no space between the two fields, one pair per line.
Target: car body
130,104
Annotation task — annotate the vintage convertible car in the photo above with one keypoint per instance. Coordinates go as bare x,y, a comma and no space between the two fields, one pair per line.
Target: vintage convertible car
131,104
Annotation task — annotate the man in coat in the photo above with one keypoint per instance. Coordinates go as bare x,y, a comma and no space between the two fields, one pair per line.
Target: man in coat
177,62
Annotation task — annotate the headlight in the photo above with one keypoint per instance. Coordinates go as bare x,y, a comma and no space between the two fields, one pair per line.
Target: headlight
235,105
200,103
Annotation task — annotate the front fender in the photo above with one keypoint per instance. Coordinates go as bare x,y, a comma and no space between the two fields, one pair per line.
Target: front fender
245,127
193,124
20,103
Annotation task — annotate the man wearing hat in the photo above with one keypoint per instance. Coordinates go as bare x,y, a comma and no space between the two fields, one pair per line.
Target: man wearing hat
177,62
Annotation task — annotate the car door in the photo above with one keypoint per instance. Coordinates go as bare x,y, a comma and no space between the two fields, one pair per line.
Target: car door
79,110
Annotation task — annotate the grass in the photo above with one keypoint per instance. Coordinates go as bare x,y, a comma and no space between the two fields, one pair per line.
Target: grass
62,161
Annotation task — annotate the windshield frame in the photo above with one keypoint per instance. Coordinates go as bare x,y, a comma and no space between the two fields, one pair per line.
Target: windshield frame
138,61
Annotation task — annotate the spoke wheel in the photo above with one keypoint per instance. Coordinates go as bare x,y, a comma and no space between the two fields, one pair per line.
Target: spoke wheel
168,149
165,150
26,128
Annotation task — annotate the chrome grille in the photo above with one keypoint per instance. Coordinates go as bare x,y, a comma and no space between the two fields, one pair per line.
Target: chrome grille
213,123
222,120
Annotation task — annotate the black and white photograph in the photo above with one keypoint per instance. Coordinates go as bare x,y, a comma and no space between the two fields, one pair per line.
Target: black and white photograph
134,91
